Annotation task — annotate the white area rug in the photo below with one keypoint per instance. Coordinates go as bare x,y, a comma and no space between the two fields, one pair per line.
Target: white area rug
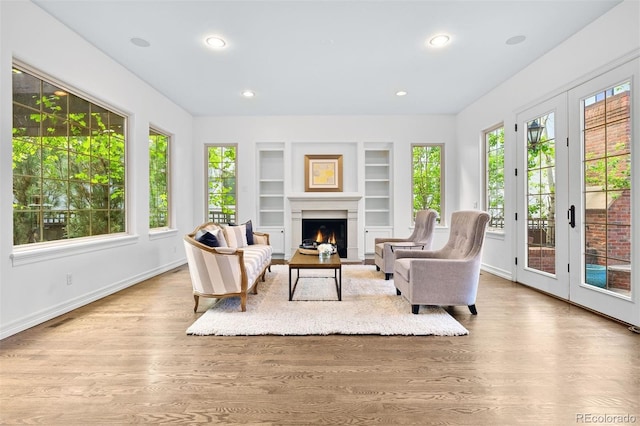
369,306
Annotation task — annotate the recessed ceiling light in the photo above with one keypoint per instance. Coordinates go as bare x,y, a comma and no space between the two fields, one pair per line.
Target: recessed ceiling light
215,42
248,93
401,93
439,41
140,42
516,40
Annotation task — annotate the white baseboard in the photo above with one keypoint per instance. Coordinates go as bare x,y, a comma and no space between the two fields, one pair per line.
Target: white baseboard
507,275
75,303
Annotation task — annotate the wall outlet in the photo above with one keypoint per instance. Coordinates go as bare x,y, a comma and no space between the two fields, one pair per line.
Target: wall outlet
69,280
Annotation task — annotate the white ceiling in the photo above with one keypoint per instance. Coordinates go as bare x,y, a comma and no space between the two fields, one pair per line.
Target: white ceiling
325,57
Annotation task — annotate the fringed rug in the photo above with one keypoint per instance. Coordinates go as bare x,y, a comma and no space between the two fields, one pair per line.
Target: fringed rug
369,306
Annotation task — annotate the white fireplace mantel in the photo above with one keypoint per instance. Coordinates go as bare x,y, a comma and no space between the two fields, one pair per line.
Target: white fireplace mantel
325,204
324,196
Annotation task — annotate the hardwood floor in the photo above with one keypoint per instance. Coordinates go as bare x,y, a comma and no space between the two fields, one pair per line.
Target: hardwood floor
529,359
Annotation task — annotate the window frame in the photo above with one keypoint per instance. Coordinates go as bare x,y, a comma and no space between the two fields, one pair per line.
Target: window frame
44,250
442,213
206,177
169,222
486,197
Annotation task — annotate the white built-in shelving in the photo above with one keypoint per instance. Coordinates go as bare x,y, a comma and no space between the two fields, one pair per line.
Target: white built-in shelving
377,193
271,199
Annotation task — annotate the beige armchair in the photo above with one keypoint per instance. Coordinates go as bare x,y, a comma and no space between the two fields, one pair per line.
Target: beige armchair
448,276
421,238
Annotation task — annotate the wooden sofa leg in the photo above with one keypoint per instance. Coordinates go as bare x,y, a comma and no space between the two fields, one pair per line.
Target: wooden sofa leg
377,268
398,292
387,276
197,299
473,309
415,309
243,303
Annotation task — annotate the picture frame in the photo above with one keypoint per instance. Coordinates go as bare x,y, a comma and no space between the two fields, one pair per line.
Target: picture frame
323,173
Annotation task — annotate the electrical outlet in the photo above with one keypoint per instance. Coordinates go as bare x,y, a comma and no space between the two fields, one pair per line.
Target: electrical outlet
69,280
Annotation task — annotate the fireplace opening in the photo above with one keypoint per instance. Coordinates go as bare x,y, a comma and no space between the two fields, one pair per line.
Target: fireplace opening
332,231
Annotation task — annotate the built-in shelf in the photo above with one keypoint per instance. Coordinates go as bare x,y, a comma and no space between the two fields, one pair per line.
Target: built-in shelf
271,185
377,185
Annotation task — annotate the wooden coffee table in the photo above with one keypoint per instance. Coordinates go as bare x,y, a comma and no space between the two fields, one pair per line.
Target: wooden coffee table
309,261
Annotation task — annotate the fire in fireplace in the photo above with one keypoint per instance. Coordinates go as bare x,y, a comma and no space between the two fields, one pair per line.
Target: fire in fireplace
332,231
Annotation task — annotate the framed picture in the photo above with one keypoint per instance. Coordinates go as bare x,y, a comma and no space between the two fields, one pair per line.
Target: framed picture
323,173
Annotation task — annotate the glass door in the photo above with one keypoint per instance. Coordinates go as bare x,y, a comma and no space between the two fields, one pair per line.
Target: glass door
603,133
542,254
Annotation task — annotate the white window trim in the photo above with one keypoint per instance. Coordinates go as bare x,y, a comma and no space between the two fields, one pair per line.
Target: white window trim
494,231
40,252
442,217
170,225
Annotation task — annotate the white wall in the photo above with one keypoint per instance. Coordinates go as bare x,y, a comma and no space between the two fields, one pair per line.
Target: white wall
598,45
34,288
321,134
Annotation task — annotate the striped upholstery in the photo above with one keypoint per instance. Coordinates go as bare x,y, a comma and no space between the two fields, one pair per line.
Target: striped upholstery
224,272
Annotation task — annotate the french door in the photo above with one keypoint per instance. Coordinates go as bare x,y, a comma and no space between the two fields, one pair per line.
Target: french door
575,205
543,246
603,125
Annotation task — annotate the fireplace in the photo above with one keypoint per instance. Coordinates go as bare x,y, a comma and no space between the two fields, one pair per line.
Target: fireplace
332,231
327,205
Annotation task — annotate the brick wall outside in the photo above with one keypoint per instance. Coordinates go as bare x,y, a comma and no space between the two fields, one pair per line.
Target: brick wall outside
607,229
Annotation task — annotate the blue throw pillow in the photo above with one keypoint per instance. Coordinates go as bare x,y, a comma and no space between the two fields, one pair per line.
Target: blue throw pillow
249,233
207,238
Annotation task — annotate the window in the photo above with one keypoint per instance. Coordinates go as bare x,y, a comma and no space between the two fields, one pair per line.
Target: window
158,180
221,183
427,183
494,179
68,164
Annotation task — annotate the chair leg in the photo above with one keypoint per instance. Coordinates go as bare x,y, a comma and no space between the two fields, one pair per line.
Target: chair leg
473,310
415,309
387,276
398,292
197,299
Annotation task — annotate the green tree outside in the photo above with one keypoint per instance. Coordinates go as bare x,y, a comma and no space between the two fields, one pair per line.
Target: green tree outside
427,178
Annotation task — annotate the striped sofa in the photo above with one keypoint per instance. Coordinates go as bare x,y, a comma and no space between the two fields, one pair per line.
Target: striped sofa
226,271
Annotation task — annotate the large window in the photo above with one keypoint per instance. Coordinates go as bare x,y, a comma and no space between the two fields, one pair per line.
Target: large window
427,183
494,179
158,179
221,183
68,164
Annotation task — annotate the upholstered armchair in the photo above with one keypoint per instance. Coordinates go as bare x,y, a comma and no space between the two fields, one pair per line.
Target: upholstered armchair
421,238
448,276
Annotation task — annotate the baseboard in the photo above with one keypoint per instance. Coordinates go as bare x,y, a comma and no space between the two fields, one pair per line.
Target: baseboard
507,275
44,315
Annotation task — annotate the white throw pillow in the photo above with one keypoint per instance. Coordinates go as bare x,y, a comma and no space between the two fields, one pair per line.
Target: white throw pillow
236,236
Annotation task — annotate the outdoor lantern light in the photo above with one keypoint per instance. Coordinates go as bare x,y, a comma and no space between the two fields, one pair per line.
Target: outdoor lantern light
534,132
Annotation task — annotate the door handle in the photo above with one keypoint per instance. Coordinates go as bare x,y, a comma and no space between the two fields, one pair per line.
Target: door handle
572,216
